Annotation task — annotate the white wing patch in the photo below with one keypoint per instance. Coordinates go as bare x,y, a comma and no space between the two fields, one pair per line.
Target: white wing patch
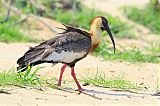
66,57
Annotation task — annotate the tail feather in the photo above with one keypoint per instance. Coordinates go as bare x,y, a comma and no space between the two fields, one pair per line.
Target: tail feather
21,61
21,68
31,57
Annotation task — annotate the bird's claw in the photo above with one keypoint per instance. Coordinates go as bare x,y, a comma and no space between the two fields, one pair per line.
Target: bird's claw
80,90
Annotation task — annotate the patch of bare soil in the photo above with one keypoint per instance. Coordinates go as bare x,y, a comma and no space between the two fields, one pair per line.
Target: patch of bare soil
145,73
21,97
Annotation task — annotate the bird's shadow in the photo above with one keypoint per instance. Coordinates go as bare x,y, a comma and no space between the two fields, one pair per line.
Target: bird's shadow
100,92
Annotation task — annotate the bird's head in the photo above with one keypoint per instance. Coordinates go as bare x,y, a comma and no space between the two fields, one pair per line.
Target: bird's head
100,24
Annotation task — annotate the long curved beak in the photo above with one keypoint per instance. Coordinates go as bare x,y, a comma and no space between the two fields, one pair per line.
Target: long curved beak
106,27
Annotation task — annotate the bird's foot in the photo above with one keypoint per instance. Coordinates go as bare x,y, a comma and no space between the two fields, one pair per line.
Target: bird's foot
58,84
80,90
88,94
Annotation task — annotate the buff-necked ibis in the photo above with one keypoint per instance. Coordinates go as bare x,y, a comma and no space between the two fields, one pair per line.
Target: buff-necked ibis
67,47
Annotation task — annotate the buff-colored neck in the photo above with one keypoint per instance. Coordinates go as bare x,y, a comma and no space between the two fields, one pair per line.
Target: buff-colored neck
95,33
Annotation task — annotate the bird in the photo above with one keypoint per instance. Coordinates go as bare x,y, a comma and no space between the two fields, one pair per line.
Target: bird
68,47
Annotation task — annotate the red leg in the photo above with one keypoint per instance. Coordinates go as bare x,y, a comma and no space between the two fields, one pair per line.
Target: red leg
61,74
75,79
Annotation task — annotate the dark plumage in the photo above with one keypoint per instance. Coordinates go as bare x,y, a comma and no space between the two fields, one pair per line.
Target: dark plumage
72,40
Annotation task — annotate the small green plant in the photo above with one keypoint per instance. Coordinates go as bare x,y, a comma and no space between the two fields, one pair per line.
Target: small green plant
115,82
154,48
148,16
158,84
27,78
8,77
132,55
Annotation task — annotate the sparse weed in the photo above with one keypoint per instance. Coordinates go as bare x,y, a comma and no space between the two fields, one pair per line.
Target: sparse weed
78,18
154,48
116,83
12,34
27,78
146,16
158,84
132,55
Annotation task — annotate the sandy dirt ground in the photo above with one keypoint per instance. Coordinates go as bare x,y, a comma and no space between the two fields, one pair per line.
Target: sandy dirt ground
146,73
52,97
139,73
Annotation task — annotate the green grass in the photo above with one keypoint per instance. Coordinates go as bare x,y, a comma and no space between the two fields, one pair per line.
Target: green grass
154,48
26,78
75,18
146,16
115,83
12,34
30,79
158,84
79,18
131,55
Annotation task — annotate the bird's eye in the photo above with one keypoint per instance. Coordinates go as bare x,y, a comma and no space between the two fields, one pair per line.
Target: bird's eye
102,28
